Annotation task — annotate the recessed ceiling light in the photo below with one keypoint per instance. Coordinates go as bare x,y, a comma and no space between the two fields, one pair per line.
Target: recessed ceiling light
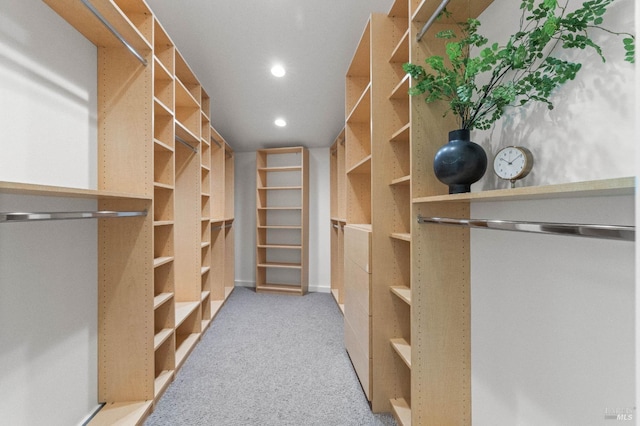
278,70
280,122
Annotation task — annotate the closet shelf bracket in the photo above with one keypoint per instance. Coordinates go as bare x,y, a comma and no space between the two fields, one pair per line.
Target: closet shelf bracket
610,232
38,216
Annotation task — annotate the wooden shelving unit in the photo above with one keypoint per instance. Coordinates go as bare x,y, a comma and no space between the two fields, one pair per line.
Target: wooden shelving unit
159,152
282,228
338,217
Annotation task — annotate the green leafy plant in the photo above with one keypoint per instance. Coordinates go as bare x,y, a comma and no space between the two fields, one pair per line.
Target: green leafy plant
521,71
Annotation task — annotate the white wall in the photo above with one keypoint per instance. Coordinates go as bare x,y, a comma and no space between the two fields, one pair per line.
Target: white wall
319,231
48,270
552,318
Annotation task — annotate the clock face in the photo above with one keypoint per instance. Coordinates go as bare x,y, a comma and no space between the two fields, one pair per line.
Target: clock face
512,163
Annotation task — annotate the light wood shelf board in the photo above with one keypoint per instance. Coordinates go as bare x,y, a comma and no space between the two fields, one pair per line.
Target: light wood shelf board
402,134
205,244
597,188
280,246
162,382
283,150
404,293
401,90
280,169
161,336
361,167
401,52
280,227
215,307
285,265
404,236
204,295
122,414
158,261
279,288
280,208
159,145
161,299
361,110
403,349
402,411
185,348
279,188
158,185
183,310
404,180
204,269
162,223
61,191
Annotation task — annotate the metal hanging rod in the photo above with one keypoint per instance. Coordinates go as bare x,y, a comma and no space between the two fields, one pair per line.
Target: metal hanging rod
216,142
34,216
113,31
432,19
610,232
185,143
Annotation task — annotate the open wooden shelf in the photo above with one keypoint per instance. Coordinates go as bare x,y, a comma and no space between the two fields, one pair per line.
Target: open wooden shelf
122,413
403,349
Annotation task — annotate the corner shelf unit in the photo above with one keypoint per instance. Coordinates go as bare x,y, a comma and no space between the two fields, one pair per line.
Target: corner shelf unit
155,139
282,228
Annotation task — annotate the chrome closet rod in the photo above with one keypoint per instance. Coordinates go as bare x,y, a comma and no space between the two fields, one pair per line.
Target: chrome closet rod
33,216
611,232
185,143
113,31
435,15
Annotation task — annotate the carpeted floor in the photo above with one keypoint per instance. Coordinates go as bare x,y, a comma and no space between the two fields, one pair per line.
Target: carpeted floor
269,360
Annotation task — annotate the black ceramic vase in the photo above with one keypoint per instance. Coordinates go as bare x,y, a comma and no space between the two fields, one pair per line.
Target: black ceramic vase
460,162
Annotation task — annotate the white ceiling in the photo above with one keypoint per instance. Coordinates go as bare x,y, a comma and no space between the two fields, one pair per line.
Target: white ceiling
232,44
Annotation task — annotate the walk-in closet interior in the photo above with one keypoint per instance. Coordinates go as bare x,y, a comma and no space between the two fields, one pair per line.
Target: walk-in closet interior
152,161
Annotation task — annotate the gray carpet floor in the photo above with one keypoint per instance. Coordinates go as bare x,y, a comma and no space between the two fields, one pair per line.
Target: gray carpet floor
269,360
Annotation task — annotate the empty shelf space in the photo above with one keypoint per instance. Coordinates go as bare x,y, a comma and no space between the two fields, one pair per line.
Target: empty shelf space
402,411
161,299
280,265
162,185
204,295
404,293
403,349
160,337
158,261
162,222
403,236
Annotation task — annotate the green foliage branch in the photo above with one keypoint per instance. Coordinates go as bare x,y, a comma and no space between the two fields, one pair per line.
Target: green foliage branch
521,71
